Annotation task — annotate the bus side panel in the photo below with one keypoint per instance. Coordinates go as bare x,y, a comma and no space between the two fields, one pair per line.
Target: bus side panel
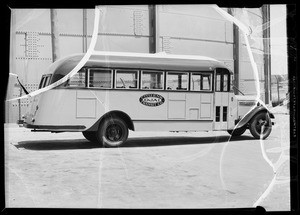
61,107
199,106
173,125
56,107
129,103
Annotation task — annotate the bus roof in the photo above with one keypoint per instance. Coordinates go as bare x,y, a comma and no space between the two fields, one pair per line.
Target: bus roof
158,61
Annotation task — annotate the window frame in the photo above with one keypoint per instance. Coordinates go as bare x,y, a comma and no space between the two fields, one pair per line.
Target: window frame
99,68
218,114
153,71
42,82
76,87
48,79
223,72
45,80
231,79
225,114
223,81
138,79
210,74
179,72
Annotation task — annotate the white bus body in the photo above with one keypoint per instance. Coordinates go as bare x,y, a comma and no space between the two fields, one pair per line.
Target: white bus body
115,92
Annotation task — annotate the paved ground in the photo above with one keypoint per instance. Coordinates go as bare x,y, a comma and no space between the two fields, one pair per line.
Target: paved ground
153,170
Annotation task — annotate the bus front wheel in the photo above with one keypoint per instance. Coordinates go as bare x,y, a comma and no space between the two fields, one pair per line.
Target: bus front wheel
112,132
261,126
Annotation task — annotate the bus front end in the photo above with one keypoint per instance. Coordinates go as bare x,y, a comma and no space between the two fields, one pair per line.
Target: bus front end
254,116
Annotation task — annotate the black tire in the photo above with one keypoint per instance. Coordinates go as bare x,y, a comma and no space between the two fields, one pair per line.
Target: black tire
90,136
237,132
259,121
112,132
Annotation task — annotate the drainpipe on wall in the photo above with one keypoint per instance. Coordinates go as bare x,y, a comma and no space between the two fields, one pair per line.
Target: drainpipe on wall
54,34
152,29
84,30
236,54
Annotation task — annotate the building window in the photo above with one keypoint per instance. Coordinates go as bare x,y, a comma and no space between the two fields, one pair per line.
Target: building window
100,78
152,80
127,79
177,81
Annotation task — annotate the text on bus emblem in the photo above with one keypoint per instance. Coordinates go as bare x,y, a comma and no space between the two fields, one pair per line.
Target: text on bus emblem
152,100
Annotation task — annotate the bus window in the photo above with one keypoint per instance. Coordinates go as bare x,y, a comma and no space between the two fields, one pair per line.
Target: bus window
218,82
225,114
46,81
126,79
201,82
78,80
42,82
196,82
231,83
152,80
217,113
177,81
222,80
225,82
100,78
206,82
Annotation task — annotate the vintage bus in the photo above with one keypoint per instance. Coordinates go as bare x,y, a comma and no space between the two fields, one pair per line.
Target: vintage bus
116,92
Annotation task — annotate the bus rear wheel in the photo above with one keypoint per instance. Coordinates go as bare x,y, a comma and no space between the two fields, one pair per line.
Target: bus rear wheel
90,136
261,126
237,132
112,132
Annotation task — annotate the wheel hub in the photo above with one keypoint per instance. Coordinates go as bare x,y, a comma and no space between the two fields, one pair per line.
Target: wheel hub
114,132
262,122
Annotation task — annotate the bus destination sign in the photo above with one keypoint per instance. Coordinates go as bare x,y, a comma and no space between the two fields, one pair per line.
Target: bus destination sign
152,100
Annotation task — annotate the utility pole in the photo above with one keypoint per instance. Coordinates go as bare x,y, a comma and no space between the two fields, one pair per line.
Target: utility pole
54,35
266,44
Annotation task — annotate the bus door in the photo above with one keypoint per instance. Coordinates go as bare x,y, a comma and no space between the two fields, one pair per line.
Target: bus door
221,99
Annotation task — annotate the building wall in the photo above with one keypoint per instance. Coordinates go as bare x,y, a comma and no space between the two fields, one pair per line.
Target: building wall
187,30
253,18
181,29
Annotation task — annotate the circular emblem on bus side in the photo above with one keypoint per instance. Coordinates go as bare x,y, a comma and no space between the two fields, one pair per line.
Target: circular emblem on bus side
152,100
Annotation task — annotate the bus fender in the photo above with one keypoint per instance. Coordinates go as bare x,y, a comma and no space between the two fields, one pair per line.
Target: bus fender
114,113
247,118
